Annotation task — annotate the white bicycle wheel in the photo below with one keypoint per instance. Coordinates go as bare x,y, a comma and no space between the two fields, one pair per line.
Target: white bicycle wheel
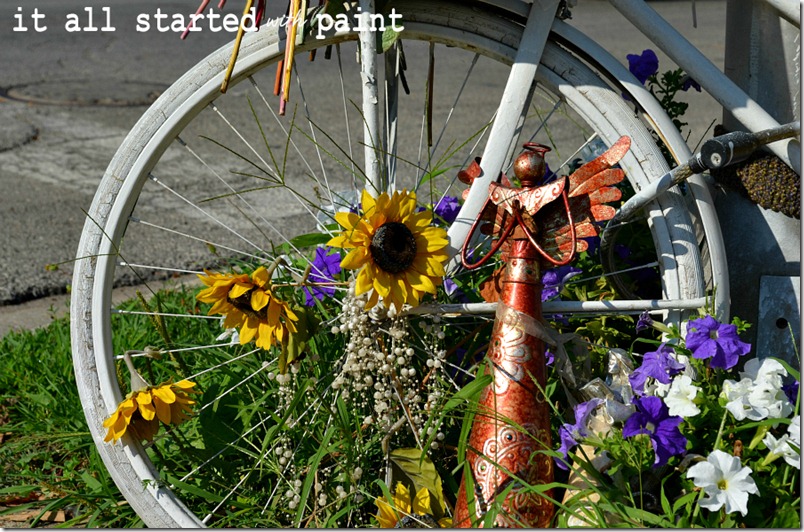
212,180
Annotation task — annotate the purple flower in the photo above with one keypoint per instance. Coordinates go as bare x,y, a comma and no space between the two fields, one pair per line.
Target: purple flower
447,208
690,83
571,433
658,364
791,391
453,291
554,280
325,268
549,358
644,322
708,338
643,66
652,418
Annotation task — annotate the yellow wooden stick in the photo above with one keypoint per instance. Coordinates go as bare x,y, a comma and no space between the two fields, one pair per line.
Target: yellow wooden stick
240,31
289,50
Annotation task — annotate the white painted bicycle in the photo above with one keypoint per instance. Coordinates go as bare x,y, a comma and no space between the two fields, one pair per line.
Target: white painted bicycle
212,179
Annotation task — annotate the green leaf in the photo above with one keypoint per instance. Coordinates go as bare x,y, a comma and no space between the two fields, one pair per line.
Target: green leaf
468,393
310,240
388,37
413,468
682,501
195,490
297,343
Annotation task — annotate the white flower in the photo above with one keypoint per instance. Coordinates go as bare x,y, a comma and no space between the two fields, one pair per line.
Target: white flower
781,447
770,399
736,395
681,396
765,369
231,334
794,430
724,481
657,389
794,433
759,393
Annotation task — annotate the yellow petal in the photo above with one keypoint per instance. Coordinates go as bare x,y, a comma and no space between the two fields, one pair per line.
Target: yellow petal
248,331
355,259
162,410
367,202
419,220
340,241
239,289
421,503
147,411
374,297
290,314
259,299
274,311
260,276
164,393
402,498
363,283
387,516
347,219
382,280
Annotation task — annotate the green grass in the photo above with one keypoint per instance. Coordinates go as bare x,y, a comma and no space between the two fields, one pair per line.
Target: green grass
47,455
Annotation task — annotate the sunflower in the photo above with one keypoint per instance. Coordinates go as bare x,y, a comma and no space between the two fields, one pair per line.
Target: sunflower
249,304
399,254
142,410
405,513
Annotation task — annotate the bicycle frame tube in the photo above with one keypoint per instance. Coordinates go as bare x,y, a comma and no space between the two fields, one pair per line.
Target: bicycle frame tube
506,121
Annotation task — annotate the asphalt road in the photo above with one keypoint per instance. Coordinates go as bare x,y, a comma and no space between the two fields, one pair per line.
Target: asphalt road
67,100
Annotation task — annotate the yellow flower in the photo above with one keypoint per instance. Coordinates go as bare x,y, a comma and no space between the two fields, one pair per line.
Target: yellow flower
250,305
142,410
399,254
413,514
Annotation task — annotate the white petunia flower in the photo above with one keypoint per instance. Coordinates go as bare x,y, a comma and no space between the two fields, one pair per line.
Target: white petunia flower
794,434
724,481
758,395
794,430
765,369
781,447
770,399
736,396
681,396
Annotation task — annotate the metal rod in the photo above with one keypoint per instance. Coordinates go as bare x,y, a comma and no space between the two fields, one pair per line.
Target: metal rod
631,306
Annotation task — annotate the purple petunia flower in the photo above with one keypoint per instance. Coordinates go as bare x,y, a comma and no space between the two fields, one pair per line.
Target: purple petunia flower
658,364
325,268
447,208
643,66
644,322
652,418
571,433
708,338
791,391
690,83
554,280
454,291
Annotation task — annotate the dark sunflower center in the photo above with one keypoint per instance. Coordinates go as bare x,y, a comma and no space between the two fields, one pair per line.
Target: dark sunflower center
243,304
393,247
